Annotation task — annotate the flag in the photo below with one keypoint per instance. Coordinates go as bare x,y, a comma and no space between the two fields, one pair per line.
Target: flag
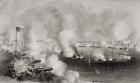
19,29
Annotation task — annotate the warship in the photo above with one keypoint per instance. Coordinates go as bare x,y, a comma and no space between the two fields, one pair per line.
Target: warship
32,72
113,55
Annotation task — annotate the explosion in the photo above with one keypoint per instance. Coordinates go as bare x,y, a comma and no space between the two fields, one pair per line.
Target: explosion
20,66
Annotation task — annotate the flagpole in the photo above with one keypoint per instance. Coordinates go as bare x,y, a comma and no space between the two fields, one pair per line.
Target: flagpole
16,40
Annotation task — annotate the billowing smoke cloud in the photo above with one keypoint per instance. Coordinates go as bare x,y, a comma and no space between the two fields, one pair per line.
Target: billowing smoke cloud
59,66
71,77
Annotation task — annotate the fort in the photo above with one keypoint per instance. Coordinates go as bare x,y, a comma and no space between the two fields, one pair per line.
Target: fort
99,44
